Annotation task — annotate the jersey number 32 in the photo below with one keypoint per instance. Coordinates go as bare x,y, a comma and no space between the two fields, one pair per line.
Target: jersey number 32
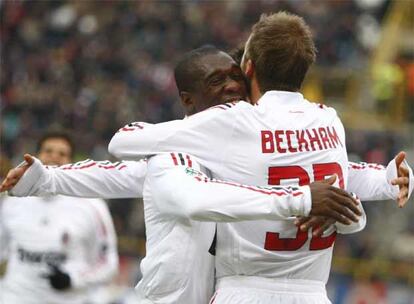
273,241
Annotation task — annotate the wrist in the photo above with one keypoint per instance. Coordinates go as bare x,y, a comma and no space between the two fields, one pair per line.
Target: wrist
301,203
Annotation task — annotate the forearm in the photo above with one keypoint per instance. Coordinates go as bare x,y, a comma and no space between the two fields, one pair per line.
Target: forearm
84,179
203,199
139,139
369,181
196,135
353,227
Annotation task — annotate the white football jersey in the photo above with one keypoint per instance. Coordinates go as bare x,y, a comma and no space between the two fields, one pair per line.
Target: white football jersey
76,234
170,208
284,140
178,267
181,204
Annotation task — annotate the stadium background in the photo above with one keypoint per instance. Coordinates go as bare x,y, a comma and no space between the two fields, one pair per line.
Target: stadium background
93,66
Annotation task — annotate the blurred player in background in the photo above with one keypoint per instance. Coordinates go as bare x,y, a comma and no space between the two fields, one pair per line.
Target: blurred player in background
58,249
284,137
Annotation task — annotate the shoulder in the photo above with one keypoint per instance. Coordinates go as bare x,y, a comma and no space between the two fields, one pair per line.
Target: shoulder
322,108
171,160
231,105
225,109
133,126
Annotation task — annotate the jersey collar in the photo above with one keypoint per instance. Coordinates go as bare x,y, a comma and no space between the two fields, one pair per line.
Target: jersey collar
280,97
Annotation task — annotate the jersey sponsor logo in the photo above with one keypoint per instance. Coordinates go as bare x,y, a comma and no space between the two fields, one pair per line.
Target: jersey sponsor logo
293,141
38,257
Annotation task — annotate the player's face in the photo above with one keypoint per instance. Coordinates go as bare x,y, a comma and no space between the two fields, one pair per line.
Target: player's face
55,151
221,81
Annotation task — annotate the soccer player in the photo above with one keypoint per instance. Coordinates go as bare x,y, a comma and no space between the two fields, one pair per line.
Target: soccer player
58,249
282,139
164,279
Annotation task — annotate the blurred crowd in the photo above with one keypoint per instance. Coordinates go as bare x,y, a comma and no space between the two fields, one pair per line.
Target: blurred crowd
93,66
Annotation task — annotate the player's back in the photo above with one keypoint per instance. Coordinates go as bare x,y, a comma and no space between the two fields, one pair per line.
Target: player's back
283,140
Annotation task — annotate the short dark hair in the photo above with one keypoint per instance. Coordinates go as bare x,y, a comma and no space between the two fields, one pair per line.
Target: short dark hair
237,54
56,134
282,50
186,71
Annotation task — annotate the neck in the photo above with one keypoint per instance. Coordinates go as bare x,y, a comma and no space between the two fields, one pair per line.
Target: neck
255,93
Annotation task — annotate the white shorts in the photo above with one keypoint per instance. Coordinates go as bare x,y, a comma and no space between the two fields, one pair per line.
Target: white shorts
258,290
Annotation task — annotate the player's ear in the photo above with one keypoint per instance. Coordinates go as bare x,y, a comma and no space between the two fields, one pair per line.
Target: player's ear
249,69
187,102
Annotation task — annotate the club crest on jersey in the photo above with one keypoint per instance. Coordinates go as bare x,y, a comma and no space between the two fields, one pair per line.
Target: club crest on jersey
193,172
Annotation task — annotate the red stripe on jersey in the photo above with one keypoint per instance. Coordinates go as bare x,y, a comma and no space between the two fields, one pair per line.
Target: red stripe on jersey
119,166
131,127
107,166
190,163
71,167
269,192
126,129
174,159
362,166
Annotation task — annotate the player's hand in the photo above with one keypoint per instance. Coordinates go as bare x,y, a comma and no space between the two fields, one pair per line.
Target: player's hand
58,279
337,204
15,174
318,223
402,181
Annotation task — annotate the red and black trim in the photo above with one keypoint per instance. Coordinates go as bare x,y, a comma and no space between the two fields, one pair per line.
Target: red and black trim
181,159
362,166
224,106
132,127
276,190
91,163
